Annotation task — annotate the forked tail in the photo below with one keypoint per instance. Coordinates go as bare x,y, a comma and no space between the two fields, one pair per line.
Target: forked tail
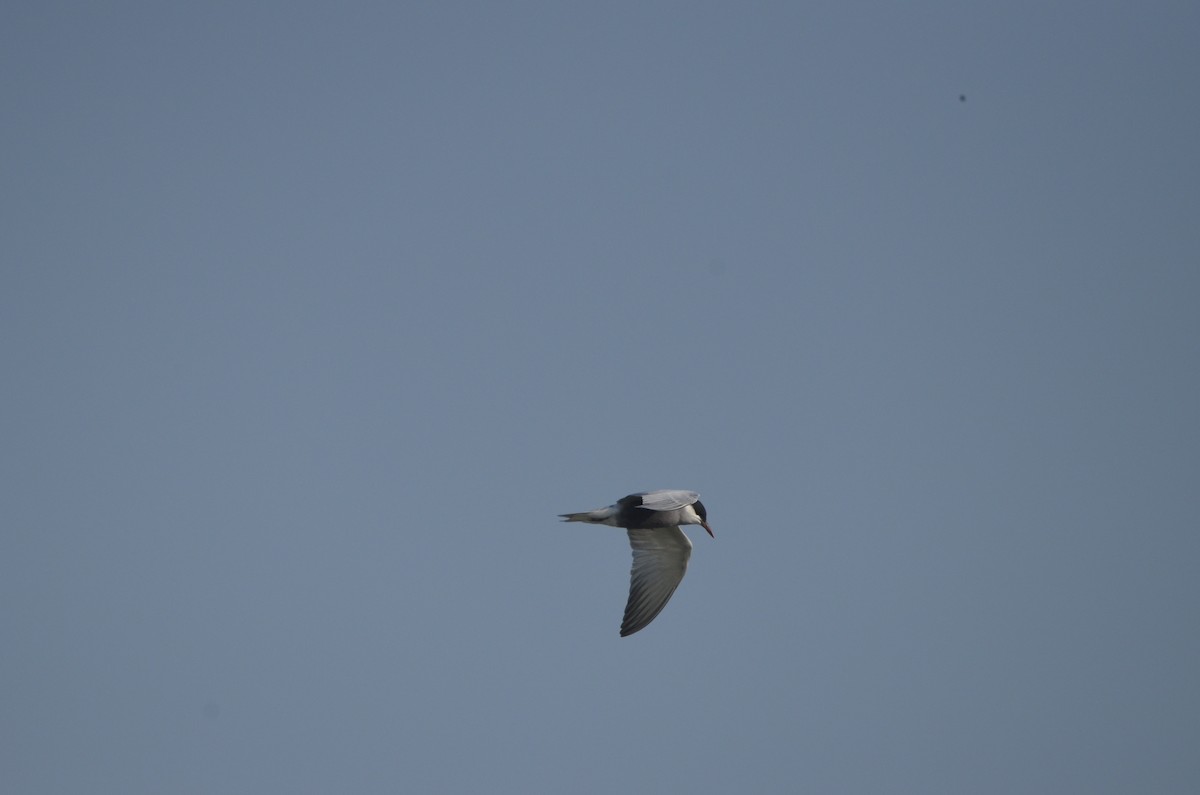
599,516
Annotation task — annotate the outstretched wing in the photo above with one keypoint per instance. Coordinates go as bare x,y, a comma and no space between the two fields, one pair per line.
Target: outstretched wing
666,500
660,558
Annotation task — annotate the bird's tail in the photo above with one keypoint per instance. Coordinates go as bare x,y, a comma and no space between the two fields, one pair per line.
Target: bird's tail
598,516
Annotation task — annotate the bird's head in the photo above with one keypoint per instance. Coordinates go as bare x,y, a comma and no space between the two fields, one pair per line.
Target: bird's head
701,516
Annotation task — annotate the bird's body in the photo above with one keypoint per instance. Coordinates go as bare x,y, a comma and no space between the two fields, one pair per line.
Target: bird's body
660,549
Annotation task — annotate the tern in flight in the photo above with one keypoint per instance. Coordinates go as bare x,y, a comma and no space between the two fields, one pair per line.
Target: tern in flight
660,549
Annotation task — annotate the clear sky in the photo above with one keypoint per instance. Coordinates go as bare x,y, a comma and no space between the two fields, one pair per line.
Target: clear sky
314,316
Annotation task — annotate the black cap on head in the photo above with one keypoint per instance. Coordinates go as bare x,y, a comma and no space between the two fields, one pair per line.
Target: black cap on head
698,507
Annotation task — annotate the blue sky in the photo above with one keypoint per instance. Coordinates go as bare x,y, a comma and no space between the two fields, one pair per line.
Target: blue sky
315,316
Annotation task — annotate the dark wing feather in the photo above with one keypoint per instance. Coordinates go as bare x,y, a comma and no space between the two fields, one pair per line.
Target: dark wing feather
660,558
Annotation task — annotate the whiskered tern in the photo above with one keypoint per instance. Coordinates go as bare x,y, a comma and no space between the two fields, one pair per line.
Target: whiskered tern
660,549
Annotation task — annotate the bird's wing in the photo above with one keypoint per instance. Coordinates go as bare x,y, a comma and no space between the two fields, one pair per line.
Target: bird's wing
660,557
667,500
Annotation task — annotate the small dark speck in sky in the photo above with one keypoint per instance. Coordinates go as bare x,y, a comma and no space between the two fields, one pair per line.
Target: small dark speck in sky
962,97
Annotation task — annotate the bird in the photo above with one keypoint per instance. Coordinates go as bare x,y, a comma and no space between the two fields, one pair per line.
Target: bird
660,548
